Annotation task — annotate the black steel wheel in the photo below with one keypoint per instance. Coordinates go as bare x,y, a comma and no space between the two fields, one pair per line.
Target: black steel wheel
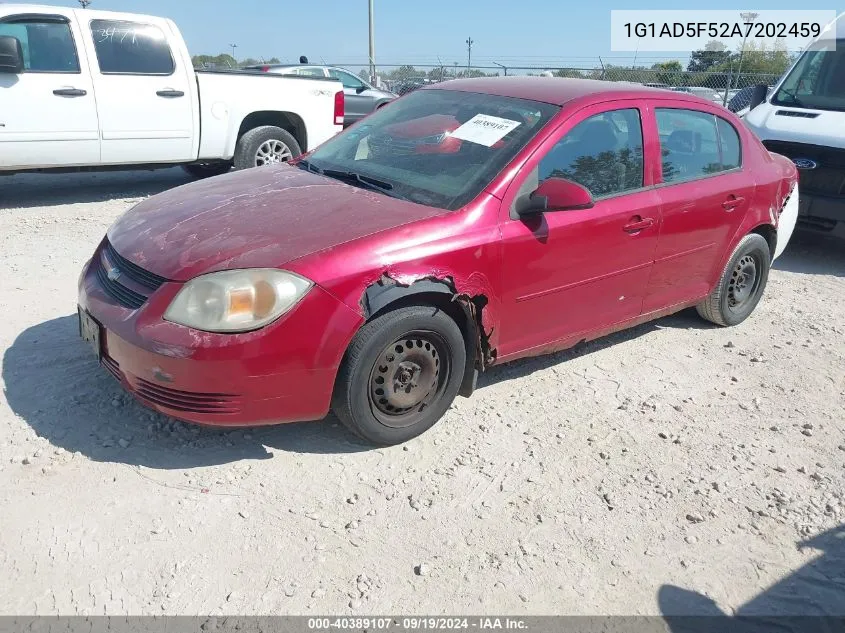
741,285
400,374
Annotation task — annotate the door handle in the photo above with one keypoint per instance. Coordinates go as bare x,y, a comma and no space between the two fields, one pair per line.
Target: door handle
70,92
637,224
732,202
170,94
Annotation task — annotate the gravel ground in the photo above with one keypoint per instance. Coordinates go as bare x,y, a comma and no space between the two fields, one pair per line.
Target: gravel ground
674,467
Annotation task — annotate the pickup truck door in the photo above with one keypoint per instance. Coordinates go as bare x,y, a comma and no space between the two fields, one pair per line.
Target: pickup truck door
145,92
48,115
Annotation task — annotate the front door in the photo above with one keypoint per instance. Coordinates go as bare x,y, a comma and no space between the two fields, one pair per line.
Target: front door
48,115
704,196
569,273
144,94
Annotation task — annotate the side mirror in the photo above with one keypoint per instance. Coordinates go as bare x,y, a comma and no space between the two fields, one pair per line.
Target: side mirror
11,55
556,194
758,96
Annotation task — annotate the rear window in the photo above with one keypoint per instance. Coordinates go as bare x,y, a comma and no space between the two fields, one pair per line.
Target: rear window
695,144
131,48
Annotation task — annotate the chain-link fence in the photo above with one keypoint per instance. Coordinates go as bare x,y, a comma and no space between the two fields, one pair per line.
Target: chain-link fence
729,88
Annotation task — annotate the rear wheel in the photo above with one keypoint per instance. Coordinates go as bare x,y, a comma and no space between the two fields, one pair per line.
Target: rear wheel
265,145
741,285
400,374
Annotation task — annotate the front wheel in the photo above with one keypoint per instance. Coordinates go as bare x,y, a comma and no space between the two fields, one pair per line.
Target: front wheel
741,285
265,145
400,374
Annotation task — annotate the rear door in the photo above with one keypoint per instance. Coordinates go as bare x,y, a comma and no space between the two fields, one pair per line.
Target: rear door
144,92
48,115
705,192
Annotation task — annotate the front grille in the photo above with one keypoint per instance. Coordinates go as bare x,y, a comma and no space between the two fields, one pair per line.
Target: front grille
189,401
129,285
827,179
133,271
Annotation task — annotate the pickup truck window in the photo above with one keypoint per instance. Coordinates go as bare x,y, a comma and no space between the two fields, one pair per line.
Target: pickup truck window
131,48
48,45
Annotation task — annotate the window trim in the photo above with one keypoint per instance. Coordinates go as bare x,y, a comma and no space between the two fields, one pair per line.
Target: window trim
47,18
130,74
663,182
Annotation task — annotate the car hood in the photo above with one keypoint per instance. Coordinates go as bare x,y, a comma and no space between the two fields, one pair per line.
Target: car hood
258,218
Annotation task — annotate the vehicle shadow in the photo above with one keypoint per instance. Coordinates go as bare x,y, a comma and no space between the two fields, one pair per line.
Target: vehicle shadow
23,191
803,601
813,254
54,384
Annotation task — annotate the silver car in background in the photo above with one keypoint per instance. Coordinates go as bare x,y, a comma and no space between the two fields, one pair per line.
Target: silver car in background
360,97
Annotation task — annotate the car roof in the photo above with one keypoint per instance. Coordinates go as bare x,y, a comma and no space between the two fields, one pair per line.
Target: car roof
557,90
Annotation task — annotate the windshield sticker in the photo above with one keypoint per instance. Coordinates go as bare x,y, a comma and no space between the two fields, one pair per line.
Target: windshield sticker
485,129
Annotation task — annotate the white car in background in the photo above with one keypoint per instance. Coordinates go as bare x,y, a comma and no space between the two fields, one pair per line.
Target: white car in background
95,89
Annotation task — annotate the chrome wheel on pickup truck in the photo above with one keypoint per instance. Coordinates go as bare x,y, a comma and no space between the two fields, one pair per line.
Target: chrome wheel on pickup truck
265,145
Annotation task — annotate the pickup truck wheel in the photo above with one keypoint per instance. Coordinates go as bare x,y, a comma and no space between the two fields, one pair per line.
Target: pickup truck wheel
400,374
207,170
741,285
265,145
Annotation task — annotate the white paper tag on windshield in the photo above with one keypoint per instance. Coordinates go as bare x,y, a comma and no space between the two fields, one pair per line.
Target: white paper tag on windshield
485,129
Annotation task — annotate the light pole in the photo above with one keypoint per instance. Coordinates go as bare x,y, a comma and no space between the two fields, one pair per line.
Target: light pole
372,47
505,68
85,3
234,46
747,17
469,53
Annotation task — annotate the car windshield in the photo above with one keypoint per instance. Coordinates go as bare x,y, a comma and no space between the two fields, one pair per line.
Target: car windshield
817,81
434,147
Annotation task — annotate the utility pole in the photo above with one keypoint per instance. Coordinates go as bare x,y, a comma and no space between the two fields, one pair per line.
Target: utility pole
747,17
85,3
234,46
469,52
456,70
372,47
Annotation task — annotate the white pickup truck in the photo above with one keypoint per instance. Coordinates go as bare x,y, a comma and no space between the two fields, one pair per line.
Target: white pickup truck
83,89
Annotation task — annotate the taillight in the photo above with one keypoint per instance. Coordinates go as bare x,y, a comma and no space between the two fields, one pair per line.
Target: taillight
339,105
265,69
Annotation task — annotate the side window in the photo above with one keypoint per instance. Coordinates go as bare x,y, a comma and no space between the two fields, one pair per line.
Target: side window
311,72
130,48
690,144
47,45
730,143
603,153
349,80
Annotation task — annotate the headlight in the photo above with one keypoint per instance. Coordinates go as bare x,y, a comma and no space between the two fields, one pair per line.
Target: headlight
236,300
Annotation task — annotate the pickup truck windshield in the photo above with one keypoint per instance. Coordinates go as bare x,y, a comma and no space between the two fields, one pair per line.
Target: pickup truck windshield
434,147
817,81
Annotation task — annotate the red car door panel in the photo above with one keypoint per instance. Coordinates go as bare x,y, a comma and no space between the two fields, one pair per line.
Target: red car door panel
571,272
703,199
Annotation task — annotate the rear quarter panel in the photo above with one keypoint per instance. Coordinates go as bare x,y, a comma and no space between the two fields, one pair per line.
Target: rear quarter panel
226,99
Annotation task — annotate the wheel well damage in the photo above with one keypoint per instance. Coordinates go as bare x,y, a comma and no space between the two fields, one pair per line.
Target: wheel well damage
466,304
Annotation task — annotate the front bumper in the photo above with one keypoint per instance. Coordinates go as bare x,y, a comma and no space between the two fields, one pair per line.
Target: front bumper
284,372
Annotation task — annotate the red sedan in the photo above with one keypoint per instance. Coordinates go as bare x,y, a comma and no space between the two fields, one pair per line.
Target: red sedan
465,225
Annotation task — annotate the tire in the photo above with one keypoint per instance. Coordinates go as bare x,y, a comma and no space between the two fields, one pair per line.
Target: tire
207,170
434,362
265,145
741,285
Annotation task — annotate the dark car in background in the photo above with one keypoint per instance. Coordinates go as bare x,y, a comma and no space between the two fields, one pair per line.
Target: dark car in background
742,99
361,98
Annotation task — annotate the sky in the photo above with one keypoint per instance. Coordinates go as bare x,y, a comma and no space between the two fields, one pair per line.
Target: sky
528,33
